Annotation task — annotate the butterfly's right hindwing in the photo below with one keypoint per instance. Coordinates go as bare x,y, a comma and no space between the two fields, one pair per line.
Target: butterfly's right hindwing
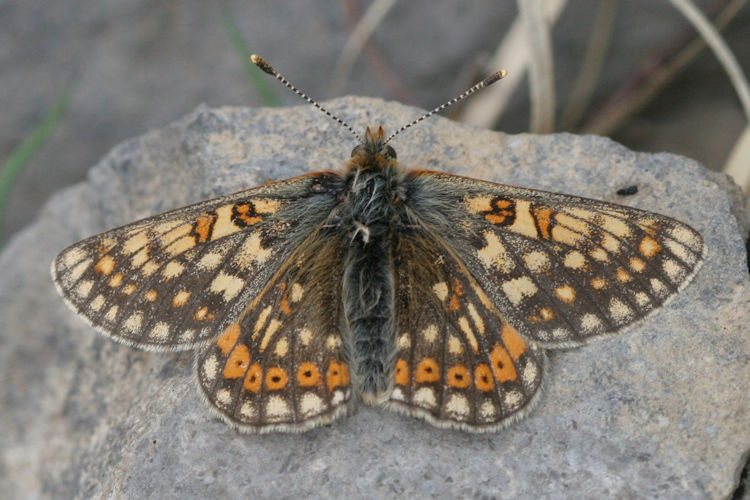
284,364
175,280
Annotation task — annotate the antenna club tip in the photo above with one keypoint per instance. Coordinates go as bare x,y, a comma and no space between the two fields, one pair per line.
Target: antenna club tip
495,77
262,64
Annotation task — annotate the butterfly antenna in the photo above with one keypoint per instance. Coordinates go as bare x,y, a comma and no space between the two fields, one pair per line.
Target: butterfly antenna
479,86
262,64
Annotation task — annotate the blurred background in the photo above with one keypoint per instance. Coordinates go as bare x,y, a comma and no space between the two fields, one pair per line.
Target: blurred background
79,76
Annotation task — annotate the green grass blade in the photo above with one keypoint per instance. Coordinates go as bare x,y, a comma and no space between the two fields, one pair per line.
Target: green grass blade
258,79
21,156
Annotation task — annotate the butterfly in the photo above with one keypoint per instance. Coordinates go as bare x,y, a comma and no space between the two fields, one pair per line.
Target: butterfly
425,293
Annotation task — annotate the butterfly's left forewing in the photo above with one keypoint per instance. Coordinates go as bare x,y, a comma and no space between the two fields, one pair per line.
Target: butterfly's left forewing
175,280
561,269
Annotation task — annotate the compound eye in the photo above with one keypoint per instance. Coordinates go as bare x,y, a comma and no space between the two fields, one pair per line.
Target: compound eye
357,150
389,152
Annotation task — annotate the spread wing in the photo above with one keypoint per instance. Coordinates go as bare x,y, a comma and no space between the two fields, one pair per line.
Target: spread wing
176,280
458,362
283,365
561,269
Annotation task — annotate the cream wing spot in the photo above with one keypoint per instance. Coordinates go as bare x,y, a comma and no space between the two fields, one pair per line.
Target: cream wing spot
266,205
487,410
139,258
180,246
404,341
296,292
478,204
610,243
84,288
227,285
172,270
149,268
273,327
599,254
566,293
277,408
170,235
463,325
210,367
261,321
574,223
116,280
247,410
454,345
494,254
513,399
441,290
425,397
78,271
333,342
680,252
135,243
305,336
524,222
619,310
590,322
224,225
673,269
649,247
536,261
338,397
686,236
105,265
111,313
166,226
252,252
574,260
637,264
97,303
616,226
210,261
282,347
642,299
458,405
311,404
73,256
398,394
519,288
160,332
181,298
223,397
430,333
560,333
187,335
658,287
529,374
133,323
476,318
566,236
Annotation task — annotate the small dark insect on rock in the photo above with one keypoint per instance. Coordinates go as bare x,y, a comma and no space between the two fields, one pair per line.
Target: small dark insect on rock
628,191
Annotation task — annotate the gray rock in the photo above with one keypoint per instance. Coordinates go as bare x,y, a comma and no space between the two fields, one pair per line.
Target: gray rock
659,411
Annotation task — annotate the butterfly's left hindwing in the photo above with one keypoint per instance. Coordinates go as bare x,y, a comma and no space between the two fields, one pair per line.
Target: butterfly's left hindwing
458,362
175,280
561,269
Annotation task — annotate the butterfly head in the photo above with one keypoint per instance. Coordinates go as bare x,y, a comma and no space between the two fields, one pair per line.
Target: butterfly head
373,146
